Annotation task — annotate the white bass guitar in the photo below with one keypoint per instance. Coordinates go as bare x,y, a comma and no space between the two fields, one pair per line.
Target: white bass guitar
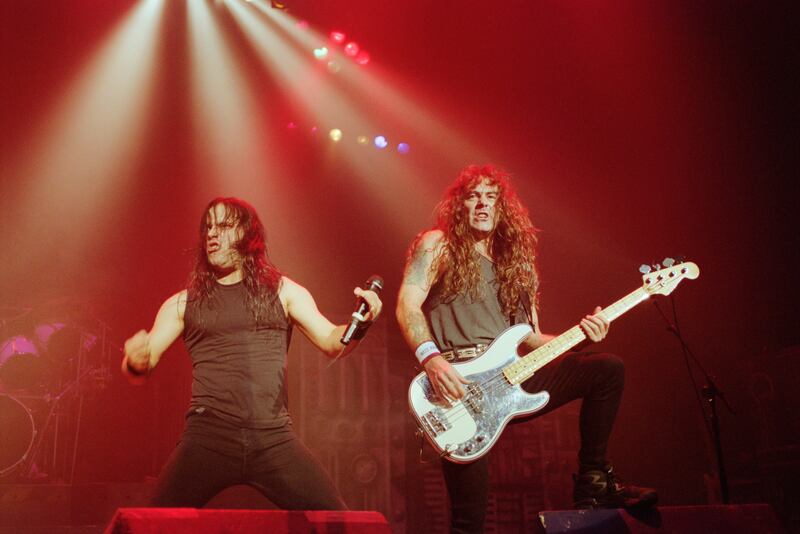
467,429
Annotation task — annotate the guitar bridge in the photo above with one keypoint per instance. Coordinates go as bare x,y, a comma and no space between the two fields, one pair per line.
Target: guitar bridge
433,424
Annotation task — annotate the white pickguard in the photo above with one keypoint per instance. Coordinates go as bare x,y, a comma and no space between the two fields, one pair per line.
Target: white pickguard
467,430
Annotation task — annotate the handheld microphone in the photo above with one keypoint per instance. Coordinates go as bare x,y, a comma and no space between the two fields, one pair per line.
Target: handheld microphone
375,283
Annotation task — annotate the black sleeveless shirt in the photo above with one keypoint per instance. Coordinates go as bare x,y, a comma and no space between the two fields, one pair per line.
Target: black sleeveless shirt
461,321
238,366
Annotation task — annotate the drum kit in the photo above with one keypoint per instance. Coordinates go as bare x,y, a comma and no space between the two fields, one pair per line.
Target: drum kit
50,360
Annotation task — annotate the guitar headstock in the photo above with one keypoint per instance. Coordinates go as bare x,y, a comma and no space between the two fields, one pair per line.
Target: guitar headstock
664,281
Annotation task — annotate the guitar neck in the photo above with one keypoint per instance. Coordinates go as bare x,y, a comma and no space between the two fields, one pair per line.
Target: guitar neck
524,368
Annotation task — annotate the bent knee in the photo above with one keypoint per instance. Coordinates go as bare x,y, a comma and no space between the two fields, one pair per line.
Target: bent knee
610,365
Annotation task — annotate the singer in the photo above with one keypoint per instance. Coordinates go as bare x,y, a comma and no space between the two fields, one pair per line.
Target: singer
236,317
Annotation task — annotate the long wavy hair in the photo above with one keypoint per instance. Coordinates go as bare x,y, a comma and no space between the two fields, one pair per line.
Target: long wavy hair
261,278
512,245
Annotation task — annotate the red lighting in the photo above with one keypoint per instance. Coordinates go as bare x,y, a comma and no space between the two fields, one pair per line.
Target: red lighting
351,49
338,37
362,58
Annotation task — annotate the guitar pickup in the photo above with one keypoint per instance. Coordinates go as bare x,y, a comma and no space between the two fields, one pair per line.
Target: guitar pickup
475,391
473,405
473,398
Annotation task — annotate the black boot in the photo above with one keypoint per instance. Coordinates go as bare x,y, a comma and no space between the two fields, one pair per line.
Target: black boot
602,489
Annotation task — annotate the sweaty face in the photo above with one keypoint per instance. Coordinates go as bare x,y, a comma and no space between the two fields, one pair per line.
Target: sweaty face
222,234
480,205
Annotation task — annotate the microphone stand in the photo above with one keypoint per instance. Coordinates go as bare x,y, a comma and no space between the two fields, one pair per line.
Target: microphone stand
710,392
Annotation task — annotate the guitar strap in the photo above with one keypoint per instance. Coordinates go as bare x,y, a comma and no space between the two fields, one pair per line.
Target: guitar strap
525,300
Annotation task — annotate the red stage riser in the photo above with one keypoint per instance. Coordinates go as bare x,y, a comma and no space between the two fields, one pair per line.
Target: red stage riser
194,521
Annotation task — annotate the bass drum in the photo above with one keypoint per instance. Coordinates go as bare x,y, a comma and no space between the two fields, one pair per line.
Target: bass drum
18,431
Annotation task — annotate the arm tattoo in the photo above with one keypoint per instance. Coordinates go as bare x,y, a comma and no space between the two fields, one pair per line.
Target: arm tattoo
417,272
416,329
418,275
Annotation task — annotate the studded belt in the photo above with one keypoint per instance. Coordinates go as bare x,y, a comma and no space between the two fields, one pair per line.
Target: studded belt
463,354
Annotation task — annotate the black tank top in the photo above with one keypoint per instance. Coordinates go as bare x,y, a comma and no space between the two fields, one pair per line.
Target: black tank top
238,366
461,321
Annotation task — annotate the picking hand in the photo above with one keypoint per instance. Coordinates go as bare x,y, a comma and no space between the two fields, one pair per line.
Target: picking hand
445,380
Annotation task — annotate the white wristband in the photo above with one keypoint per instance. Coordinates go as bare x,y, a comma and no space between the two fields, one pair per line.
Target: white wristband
426,350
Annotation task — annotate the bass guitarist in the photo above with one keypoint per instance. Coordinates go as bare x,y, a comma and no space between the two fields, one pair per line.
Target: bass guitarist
468,279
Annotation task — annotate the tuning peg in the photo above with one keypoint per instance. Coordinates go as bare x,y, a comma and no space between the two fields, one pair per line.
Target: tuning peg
656,266
644,268
668,262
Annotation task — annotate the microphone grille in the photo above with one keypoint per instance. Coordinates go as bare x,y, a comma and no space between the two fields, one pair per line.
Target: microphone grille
375,283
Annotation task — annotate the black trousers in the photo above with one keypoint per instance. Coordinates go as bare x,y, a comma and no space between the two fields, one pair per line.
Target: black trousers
214,454
598,379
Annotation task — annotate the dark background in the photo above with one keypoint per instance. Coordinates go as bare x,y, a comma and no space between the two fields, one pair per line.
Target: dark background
634,131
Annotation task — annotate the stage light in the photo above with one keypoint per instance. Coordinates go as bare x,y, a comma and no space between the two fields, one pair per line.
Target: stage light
321,52
332,101
292,125
362,58
334,67
403,148
362,140
225,105
337,37
351,49
335,135
381,142
78,141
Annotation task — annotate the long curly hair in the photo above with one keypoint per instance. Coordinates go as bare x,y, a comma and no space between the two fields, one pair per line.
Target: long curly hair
512,244
261,278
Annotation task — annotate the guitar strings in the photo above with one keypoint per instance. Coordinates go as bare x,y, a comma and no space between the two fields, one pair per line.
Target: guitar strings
560,344
454,413
495,382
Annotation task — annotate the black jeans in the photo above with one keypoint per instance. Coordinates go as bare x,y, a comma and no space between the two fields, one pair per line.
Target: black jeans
598,379
214,454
